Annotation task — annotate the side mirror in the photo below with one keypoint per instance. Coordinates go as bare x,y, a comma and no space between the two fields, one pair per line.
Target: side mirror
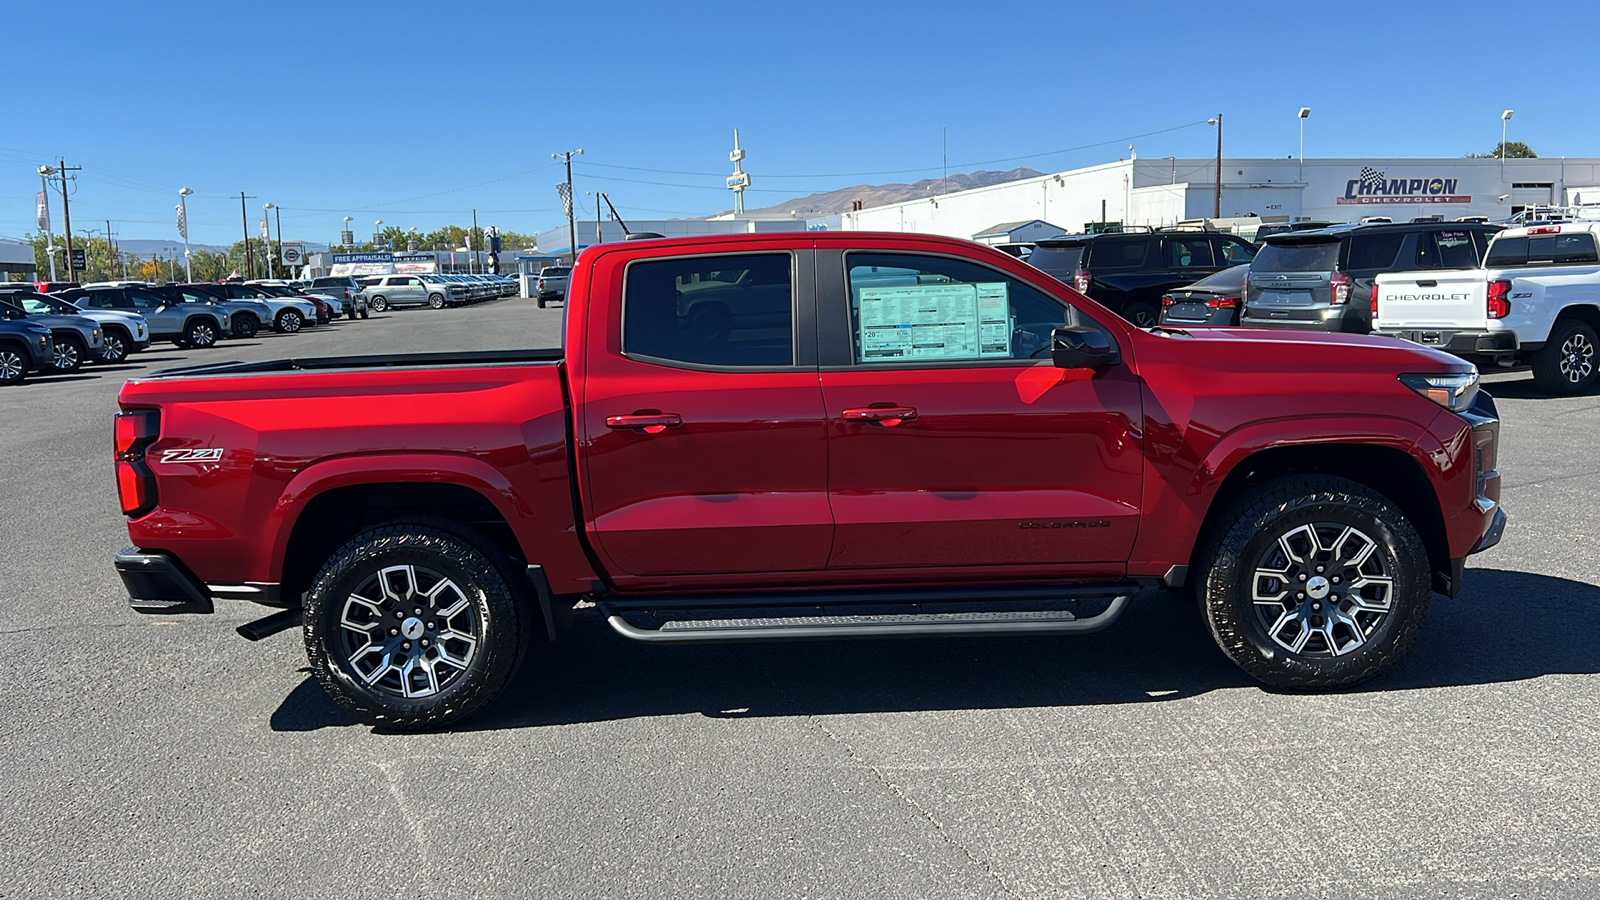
1082,348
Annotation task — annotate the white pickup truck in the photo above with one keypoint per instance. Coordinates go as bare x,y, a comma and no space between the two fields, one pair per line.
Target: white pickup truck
1535,301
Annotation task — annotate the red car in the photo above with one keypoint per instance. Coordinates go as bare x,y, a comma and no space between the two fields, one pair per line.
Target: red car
781,436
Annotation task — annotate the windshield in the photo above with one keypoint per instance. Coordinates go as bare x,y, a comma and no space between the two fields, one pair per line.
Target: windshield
1058,261
1297,256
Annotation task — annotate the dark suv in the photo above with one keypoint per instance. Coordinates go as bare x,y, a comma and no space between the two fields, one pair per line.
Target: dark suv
1323,279
1128,272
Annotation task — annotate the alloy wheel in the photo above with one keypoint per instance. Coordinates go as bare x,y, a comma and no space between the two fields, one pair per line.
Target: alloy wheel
67,359
1577,358
1322,589
12,366
113,350
408,631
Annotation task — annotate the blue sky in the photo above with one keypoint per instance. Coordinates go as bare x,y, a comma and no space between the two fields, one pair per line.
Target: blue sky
416,113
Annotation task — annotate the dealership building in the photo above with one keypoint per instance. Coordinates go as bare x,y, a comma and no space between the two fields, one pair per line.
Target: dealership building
1165,191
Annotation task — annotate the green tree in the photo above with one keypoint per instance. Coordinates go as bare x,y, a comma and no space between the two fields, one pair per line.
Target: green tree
1513,150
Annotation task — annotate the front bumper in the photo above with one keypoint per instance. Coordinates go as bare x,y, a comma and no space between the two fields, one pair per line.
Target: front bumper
158,583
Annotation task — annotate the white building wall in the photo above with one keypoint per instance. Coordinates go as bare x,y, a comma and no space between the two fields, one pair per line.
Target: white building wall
1161,191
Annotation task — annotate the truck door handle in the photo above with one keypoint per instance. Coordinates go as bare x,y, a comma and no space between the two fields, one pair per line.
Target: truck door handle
887,416
649,423
1428,283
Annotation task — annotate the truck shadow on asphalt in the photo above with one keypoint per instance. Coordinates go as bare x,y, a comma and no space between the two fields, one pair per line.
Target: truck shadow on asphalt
1508,626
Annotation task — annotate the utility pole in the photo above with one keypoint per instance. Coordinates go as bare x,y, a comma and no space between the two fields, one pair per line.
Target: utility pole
1216,202
615,215
567,199
244,220
111,254
66,213
472,241
277,214
597,239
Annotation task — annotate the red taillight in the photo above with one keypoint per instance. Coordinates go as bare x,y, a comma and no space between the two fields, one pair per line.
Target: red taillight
1166,299
1499,299
1080,281
1339,287
136,485
1223,303
1374,299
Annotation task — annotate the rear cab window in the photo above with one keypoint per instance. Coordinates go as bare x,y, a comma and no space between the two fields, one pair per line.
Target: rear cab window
726,310
914,308
1574,249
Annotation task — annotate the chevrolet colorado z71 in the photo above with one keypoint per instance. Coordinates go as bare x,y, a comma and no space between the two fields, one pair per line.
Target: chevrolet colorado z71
810,435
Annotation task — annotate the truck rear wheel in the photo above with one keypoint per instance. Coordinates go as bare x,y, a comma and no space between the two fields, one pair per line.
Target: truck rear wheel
1315,582
413,625
1566,363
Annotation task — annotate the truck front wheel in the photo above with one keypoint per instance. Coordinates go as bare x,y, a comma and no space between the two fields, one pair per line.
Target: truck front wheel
1315,582
413,625
1566,363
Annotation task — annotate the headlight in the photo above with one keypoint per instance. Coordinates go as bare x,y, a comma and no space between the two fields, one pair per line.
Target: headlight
96,333
1453,391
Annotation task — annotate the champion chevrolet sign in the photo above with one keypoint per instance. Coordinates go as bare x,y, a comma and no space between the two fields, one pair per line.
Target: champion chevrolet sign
1372,186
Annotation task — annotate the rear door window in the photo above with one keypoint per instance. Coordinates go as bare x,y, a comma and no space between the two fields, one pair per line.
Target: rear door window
1446,250
1231,251
1119,254
1187,252
1374,251
730,310
1297,256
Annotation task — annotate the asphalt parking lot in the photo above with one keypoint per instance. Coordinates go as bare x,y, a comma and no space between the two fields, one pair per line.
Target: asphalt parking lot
162,757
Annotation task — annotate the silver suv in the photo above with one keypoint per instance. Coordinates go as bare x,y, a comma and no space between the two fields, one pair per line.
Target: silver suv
189,325
395,291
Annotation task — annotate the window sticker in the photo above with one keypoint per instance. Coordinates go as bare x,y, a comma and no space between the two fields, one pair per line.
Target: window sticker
935,322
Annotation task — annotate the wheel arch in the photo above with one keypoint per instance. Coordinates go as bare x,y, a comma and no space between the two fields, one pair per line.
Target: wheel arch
330,517
1388,470
1588,313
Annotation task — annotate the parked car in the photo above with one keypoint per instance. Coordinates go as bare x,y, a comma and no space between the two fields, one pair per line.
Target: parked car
339,287
54,287
121,331
25,347
1025,466
552,285
338,306
1534,302
1322,279
245,317
386,292
287,315
75,339
1128,272
1213,300
189,325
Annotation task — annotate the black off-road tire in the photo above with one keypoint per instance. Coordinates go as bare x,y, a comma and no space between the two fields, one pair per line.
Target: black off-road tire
1569,361
540,301
288,322
1251,528
499,608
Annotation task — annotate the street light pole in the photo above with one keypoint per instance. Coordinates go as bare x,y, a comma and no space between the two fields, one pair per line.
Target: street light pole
49,238
1305,111
1216,202
277,214
183,215
472,237
1504,118
572,222
267,250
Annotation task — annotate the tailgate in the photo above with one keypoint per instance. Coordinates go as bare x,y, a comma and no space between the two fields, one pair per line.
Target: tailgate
1456,300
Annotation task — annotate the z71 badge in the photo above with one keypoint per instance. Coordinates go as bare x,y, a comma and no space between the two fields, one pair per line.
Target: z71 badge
205,454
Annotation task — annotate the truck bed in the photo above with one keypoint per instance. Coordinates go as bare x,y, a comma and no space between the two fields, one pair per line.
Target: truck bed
457,359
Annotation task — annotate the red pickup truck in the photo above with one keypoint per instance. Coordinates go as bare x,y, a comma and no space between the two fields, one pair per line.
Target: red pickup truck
810,436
